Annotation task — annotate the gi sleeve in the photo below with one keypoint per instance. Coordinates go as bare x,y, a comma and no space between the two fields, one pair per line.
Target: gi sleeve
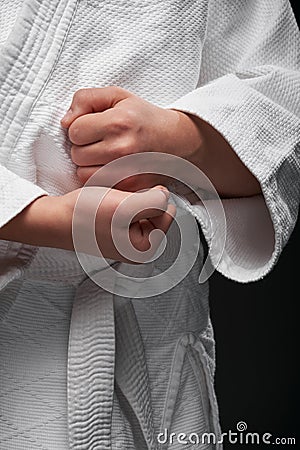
249,90
15,194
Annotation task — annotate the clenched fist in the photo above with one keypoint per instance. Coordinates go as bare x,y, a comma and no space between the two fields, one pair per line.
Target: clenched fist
131,217
107,123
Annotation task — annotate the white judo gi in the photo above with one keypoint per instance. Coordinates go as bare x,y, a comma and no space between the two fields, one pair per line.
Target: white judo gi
81,368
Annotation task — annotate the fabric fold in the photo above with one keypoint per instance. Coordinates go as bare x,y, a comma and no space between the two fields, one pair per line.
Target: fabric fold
91,360
251,98
27,58
131,370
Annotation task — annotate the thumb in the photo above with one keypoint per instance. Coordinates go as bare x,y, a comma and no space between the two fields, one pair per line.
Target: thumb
141,205
86,101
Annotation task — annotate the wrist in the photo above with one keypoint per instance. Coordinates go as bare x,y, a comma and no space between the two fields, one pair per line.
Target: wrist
46,222
187,138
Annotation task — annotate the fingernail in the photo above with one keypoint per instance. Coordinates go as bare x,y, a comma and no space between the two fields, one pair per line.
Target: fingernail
67,116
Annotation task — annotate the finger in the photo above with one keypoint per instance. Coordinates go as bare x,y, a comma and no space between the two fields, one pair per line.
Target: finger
141,205
94,155
150,204
140,182
104,178
95,127
154,203
129,184
89,128
140,232
86,101
85,173
164,221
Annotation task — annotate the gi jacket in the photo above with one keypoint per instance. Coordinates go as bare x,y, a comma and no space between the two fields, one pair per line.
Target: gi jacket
82,368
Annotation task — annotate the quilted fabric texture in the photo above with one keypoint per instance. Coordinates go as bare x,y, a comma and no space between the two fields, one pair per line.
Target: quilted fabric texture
9,13
249,91
80,368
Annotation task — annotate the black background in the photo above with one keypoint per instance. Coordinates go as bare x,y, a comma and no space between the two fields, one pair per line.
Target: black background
257,333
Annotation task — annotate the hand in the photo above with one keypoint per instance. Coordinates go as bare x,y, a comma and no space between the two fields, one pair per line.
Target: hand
47,221
127,217
107,123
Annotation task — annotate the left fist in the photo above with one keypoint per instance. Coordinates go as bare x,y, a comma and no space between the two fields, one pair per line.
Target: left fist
107,123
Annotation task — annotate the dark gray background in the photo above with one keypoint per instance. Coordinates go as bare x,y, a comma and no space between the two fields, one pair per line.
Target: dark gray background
257,333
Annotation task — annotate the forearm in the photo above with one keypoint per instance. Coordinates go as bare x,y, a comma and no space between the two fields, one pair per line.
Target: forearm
46,222
215,157
107,123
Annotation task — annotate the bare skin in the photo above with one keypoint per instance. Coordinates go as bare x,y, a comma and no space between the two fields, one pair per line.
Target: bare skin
105,124
47,221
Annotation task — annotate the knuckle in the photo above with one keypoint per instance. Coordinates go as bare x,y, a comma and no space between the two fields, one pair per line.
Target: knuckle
121,122
131,117
163,205
161,200
125,122
133,114
125,146
130,145
115,90
80,95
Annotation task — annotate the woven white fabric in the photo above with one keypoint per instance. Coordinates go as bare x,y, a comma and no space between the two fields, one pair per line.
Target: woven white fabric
9,13
234,64
248,90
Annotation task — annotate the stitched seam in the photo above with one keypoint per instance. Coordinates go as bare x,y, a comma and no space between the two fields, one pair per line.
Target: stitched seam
43,87
12,66
29,73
